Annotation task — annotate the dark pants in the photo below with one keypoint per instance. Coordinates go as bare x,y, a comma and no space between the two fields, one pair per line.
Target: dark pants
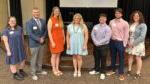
100,54
117,49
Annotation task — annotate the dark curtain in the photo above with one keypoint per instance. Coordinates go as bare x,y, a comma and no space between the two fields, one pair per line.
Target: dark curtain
15,10
143,5
49,5
91,14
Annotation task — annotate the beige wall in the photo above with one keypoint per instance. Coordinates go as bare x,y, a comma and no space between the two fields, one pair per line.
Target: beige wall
3,14
27,6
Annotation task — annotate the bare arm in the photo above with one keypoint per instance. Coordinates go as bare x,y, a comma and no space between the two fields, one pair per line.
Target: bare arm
63,32
5,39
85,35
126,34
49,26
67,40
64,35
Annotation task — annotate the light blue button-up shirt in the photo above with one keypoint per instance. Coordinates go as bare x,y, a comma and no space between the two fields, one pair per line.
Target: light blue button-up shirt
101,34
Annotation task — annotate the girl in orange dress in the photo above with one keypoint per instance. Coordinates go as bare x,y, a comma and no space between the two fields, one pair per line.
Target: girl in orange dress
57,39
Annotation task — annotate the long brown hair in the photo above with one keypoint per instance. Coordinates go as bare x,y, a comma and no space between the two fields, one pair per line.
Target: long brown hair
8,26
59,18
141,20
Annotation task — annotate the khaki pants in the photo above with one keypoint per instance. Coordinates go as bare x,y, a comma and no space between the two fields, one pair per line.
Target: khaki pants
36,59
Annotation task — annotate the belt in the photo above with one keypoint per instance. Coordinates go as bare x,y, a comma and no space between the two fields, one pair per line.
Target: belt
117,40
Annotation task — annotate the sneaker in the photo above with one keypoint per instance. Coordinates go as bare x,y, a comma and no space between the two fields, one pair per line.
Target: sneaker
18,77
35,77
42,73
93,72
24,74
137,76
121,77
110,73
102,76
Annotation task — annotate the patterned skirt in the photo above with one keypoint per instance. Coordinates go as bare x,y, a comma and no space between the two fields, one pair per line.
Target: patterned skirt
138,50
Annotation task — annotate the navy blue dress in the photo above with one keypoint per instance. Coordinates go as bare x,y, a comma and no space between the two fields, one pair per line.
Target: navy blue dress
15,42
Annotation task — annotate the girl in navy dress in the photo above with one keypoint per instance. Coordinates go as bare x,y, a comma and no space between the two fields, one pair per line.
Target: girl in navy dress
14,44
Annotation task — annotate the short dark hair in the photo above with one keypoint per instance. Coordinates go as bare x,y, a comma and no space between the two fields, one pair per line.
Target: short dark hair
103,15
119,10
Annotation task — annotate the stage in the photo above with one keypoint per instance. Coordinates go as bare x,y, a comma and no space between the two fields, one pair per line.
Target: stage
67,78
66,61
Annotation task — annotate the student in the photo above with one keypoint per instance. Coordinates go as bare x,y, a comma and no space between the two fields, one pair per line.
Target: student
77,37
118,42
14,44
101,35
136,43
37,32
56,38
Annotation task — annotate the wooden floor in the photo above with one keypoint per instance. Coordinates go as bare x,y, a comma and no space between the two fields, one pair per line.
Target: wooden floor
67,78
66,61
88,61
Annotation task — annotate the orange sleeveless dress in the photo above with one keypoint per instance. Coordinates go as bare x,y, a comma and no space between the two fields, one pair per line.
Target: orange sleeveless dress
57,35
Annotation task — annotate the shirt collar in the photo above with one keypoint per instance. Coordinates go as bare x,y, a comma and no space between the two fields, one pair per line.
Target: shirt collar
36,18
102,25
118,20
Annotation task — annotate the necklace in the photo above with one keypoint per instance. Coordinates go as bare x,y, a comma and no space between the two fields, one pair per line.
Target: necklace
75,31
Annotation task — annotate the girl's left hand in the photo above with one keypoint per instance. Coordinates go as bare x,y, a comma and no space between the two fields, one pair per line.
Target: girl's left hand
84,47
130,45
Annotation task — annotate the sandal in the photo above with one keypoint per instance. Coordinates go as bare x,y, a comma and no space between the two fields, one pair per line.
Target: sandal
59,72
129,73
79,74
56,73
137,76
75,74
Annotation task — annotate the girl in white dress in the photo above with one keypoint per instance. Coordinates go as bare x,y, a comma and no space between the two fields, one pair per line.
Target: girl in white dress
136,43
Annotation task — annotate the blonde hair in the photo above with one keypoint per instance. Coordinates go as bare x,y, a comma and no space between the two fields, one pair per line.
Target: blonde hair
81,19
59,18
80,16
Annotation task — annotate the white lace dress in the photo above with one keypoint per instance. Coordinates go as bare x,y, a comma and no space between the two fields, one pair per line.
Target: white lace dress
138,50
